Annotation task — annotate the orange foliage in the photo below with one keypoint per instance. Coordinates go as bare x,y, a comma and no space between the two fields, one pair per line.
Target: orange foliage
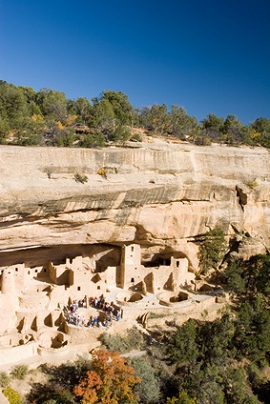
88,386
110,381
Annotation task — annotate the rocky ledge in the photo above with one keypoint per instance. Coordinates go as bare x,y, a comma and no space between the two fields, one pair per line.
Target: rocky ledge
153,194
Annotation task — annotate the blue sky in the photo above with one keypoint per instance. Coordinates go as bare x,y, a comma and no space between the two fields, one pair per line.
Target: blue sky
208,56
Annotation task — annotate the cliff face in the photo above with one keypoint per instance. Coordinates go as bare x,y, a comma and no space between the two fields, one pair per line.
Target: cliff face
152,194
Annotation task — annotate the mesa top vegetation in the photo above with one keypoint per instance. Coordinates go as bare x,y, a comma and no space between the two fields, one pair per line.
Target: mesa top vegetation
47,117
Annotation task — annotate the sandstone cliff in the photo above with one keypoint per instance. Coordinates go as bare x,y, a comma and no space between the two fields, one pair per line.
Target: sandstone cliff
157,194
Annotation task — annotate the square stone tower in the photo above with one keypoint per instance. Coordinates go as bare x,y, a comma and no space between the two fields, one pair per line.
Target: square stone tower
130,265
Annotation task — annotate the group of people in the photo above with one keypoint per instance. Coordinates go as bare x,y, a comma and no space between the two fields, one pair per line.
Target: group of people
99,303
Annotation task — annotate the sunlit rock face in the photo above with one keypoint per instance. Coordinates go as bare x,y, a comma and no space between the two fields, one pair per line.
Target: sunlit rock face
158,194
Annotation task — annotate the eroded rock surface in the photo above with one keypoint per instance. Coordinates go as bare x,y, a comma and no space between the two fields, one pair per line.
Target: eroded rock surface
152,194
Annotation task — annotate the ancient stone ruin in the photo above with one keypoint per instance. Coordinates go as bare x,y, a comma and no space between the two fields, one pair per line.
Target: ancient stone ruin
131,238
38,297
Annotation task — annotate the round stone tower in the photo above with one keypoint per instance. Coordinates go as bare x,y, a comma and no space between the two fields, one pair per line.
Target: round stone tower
8,284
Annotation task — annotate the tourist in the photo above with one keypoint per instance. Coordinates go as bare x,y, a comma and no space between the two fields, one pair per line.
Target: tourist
117,316
107,321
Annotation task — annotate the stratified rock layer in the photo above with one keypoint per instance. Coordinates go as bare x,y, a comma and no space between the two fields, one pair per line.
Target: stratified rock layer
152,194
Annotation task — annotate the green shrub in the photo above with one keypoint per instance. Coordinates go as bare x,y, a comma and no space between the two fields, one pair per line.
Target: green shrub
212,249
4,379
12,395
148,390
136,137
19,372
93,141
202,140
116,343
135,338
50,393
251,184
234,277
121,134
30,139
80,178
66,138
183,398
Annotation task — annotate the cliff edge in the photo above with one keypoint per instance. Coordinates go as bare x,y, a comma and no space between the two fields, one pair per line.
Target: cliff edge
157,194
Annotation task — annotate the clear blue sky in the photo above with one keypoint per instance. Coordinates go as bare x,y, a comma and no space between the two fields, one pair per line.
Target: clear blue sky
209,56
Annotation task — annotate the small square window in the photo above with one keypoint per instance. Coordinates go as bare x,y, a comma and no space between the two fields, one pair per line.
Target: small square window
78,288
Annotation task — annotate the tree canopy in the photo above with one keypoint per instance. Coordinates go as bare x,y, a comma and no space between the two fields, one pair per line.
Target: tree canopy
224,361
111,380
47,117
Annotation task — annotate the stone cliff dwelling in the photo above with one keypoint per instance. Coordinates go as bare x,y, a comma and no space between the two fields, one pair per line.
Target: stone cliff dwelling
34,298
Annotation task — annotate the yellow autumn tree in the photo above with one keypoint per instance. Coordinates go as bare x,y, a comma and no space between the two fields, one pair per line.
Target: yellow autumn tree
37,118
60,125
71,119
183,398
